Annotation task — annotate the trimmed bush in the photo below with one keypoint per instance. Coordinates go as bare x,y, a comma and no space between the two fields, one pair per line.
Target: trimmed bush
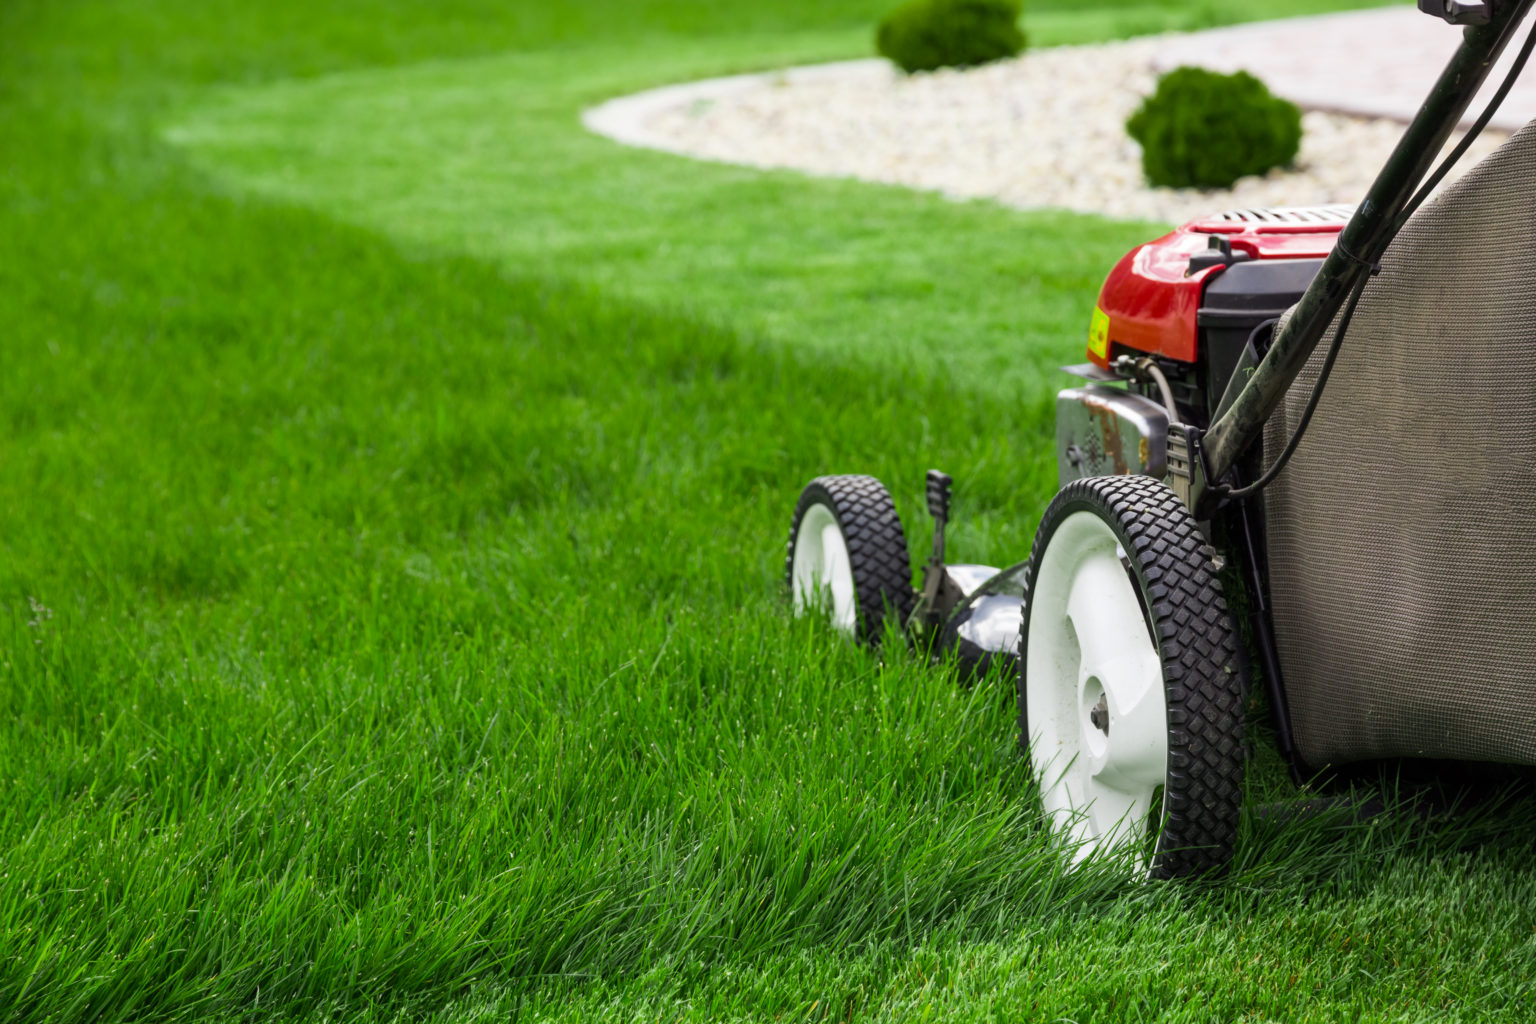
1202,129
925,34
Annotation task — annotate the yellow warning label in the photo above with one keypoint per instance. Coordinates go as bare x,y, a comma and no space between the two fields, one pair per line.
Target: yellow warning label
1098,334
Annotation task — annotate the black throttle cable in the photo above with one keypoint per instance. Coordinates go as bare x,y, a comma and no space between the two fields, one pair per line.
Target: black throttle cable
1312,400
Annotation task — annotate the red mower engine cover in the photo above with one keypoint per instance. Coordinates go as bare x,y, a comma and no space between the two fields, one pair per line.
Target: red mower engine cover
1151,301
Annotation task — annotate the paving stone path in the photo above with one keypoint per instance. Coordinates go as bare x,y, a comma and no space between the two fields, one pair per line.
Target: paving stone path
1375,63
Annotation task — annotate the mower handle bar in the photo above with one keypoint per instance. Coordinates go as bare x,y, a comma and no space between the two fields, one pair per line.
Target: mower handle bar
1256,390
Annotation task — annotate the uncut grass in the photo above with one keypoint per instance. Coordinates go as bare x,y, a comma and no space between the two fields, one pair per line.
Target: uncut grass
459,719
408,761
1319,949
388,633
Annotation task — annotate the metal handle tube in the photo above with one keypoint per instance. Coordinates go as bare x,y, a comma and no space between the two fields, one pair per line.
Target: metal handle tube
1360,243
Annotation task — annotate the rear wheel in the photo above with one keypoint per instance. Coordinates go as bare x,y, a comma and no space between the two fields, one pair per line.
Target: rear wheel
848,556
1130,690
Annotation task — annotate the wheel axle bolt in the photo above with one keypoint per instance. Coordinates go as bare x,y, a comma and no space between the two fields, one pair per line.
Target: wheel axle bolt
1099,715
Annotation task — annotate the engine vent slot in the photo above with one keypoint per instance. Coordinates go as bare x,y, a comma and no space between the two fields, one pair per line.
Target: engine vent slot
1338,213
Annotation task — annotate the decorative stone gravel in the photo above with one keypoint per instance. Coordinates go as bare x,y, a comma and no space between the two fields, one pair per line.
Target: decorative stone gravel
1044,130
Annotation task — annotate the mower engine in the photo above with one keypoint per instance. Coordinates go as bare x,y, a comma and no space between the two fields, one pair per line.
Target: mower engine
1178,312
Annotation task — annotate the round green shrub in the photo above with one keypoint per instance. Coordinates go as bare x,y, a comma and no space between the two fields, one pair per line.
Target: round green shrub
1202,129
925,34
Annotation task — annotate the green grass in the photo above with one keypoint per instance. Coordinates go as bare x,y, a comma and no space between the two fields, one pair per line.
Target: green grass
393,482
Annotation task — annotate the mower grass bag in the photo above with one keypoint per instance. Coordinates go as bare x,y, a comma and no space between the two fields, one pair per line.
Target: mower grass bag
1402,536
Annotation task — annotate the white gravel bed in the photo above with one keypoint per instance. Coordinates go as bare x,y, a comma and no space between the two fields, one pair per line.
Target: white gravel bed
1044,130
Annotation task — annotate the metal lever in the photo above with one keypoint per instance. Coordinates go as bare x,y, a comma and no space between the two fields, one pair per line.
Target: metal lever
939,485
1459,12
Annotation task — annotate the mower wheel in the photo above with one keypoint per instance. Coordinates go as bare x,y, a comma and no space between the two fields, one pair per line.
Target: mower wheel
848,556
1130,688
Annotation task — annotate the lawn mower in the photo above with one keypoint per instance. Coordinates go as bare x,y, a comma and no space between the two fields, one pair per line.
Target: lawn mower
1387,565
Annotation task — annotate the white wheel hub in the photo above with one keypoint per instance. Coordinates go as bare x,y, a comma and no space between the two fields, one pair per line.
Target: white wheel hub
1094,698
822,574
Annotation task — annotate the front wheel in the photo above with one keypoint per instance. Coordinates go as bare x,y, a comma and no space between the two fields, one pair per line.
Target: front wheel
1130,688
848,556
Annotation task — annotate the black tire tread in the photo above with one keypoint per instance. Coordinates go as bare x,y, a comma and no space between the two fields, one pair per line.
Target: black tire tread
877,547
1202,670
